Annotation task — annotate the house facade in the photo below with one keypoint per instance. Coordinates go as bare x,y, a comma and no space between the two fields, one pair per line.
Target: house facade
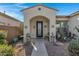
9,26
41,20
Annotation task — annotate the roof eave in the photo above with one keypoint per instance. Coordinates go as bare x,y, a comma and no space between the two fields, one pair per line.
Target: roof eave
9,17
39,5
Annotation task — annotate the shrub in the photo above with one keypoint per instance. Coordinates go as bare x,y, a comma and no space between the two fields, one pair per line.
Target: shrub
6,50
74,47
1,38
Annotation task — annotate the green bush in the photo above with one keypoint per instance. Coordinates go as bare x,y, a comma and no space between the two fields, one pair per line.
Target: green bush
6,50
74,47
1,38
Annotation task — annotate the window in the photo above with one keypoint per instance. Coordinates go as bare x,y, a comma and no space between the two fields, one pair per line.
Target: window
39,9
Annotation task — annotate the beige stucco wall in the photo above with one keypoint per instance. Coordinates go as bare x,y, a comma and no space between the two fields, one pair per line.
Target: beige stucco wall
73,22
46,12
50,14
9,22
62,18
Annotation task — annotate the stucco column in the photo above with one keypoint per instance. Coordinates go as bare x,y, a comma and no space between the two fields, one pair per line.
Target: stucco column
52,28
26,29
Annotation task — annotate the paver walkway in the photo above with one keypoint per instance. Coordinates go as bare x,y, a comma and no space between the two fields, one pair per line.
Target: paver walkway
60,49
41,49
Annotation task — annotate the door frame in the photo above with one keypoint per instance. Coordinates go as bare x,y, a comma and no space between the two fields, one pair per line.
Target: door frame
41,28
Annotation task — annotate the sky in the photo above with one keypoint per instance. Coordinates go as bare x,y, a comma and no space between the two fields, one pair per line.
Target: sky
14,9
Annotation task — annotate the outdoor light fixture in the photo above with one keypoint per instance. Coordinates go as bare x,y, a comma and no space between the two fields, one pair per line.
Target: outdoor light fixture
45,26
33,26
52,26
25,26
8,24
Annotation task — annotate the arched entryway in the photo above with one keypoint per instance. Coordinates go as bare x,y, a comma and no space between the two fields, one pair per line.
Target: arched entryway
39,26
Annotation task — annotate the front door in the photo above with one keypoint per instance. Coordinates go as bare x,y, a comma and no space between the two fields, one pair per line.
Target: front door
39,29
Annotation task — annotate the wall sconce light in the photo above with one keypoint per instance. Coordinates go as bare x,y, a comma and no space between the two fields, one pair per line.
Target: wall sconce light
45,26
25,26
8,24
52,26
33,26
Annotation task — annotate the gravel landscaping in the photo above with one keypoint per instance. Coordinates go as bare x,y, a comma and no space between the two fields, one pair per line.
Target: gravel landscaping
21,49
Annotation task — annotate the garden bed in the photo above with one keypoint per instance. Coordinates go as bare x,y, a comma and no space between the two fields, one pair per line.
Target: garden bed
22,49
